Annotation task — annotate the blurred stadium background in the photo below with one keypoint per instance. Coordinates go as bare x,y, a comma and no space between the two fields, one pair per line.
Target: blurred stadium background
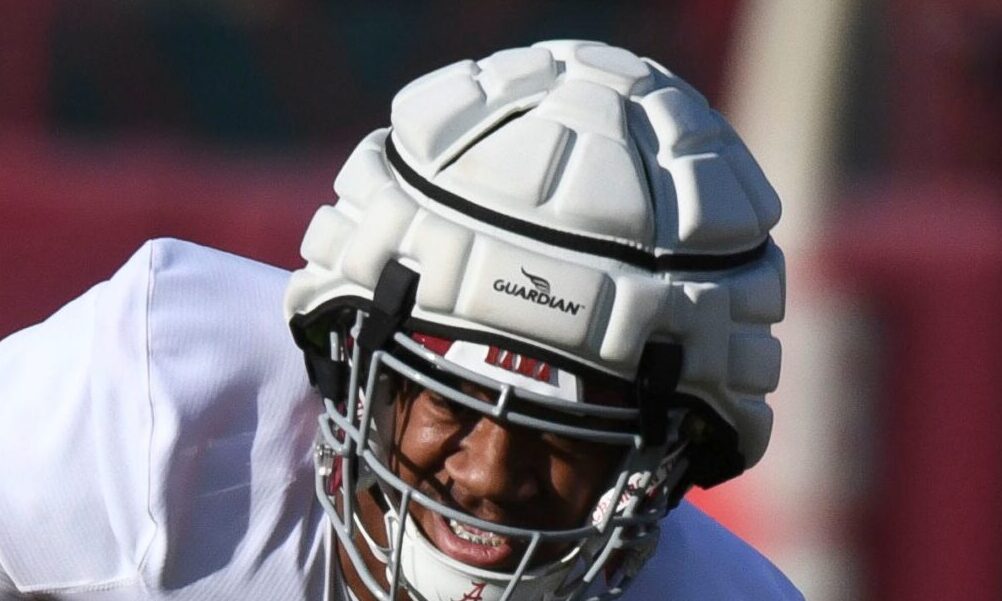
880,123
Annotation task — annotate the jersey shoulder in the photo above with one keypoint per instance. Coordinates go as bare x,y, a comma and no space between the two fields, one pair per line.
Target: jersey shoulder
235,420
144,417
697,558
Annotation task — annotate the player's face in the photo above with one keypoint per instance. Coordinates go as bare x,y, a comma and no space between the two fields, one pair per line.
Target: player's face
495,471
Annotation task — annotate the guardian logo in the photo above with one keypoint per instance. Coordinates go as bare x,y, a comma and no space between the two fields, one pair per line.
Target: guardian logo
541,284
540,293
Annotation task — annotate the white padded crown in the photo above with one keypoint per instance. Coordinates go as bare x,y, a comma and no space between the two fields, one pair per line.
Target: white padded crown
557,153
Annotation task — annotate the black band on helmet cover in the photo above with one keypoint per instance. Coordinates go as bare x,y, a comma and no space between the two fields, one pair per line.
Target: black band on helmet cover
612,249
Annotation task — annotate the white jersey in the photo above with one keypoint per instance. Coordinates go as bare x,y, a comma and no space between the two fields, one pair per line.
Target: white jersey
155,443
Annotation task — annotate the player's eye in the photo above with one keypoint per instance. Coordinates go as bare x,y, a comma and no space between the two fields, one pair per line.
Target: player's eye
436,399
446,407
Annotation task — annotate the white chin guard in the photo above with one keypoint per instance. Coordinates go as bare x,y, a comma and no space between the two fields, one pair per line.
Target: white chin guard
434,576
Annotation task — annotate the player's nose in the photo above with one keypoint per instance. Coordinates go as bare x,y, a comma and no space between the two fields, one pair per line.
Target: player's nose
495,467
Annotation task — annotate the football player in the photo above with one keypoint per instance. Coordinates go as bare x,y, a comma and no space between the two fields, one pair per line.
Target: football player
538,313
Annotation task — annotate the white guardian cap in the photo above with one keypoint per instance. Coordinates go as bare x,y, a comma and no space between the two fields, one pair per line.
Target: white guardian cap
532,222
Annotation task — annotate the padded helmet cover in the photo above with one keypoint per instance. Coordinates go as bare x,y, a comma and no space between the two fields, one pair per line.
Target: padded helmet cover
573,198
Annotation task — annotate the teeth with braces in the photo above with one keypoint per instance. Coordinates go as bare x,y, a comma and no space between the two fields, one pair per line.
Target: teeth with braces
475,535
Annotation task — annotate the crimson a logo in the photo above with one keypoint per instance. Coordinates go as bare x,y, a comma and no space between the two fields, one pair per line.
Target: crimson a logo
474,594
540,293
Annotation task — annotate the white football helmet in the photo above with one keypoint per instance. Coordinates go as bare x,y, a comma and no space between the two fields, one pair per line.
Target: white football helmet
532,221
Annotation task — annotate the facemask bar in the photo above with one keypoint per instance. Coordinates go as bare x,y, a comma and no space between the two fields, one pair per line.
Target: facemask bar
501,411
347,436
506,390
645,536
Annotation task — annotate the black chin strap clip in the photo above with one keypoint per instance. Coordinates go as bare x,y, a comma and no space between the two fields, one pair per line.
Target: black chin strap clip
325,341
658,376
392,301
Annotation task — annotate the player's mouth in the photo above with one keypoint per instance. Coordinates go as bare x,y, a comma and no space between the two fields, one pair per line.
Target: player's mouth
475,535
471,545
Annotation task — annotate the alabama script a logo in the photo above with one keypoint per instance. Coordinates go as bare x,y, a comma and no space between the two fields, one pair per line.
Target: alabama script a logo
474,594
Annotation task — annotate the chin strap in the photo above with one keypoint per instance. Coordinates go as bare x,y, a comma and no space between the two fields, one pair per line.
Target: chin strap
657,378
713,456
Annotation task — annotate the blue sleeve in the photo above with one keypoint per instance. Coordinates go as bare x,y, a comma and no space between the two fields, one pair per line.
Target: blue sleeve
698,559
